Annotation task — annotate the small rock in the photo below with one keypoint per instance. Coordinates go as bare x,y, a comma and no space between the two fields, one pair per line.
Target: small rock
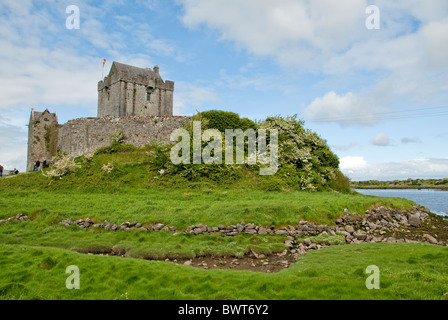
349,229
250,231
360,235
430,239
282,232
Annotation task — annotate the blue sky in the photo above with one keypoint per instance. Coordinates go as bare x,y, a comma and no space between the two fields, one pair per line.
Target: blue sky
379,97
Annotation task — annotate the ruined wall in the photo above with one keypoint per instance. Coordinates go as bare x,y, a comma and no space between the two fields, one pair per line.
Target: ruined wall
42,137
85,135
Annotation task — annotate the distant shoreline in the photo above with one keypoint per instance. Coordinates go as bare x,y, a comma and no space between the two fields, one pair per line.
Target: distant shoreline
444,188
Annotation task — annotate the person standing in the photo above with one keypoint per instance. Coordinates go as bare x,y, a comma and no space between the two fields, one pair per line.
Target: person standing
1,171
36,165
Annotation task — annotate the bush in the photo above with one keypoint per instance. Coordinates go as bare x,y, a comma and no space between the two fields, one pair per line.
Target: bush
222,120
305,151
117,137
63,165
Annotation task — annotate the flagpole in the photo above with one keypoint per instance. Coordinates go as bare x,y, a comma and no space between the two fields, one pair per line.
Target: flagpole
102,75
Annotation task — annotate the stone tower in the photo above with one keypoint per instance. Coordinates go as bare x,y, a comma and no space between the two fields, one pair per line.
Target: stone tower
42,137
133,91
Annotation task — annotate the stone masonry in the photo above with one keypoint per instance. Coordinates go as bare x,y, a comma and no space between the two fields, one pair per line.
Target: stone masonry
85,135
132,91
135,101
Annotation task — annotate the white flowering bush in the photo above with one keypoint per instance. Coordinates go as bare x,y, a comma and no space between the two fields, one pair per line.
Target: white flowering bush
117,137
63,165
304,150
108,168
89,156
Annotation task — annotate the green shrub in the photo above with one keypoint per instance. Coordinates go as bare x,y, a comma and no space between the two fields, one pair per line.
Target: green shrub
222,120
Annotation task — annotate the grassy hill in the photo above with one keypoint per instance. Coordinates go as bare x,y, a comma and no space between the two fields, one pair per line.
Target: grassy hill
122,183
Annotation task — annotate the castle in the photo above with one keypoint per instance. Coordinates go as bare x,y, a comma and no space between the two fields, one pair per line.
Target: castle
135,101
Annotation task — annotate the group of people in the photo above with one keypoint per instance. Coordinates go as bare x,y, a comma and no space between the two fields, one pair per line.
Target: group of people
37,165
1,171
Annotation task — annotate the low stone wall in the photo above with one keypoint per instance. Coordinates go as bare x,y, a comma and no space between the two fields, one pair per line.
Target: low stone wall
85,135
377,225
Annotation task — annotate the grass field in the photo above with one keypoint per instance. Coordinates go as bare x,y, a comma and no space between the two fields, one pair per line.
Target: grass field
34,254
418,272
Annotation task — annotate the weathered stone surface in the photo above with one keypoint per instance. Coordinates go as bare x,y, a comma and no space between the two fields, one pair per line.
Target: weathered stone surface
430,239
251,231
414,219
349,229
307,241
282,232
360,235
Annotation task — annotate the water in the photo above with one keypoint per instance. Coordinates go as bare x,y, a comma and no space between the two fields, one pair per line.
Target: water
435,200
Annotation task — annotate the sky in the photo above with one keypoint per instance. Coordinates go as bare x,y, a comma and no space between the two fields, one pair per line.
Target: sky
372,82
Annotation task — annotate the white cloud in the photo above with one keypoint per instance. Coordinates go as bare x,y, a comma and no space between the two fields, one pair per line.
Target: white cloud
404,60
356,168
410,140
352,163
190,97
351,145
381,140
345,109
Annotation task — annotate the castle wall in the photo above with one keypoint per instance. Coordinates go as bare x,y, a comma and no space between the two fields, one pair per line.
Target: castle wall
42,137
109,100
124,98
85,135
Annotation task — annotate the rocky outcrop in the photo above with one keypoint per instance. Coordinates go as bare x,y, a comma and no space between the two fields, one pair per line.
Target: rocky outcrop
19,217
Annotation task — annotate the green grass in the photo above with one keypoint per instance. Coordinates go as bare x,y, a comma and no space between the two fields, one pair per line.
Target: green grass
420,272
136,244
35,254
183,207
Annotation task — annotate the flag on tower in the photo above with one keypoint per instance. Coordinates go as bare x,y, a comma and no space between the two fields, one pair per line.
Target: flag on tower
102,74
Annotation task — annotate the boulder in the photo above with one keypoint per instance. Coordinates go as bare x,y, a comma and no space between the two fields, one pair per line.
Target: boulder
414,219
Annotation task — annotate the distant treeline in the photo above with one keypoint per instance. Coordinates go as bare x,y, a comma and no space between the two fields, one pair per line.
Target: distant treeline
402,184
